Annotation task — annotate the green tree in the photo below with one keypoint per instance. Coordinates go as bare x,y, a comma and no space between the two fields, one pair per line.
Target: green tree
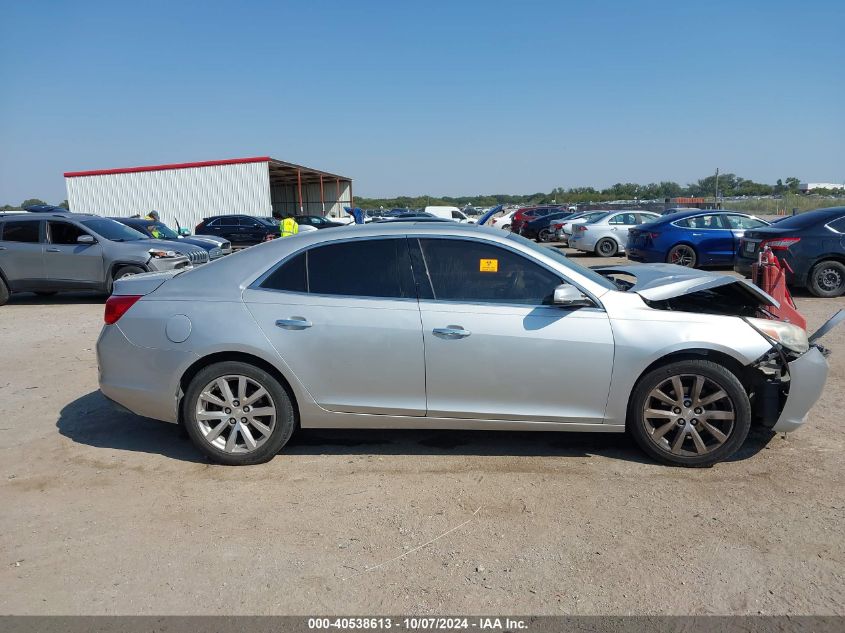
64,204
31,202
792,184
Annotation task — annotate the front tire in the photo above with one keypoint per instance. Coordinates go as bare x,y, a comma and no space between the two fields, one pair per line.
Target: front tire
237,414
606,247
4,292
692,413
827,279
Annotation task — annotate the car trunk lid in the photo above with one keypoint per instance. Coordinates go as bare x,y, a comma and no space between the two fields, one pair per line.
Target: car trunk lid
144,283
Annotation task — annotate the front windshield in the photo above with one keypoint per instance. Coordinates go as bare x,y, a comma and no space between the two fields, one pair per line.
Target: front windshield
114,230
161,231
559,257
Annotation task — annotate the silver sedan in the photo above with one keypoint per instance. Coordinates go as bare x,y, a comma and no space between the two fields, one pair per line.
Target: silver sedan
443,326
607,235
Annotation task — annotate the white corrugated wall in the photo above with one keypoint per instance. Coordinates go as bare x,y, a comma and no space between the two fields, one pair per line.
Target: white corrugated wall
185,195
284,198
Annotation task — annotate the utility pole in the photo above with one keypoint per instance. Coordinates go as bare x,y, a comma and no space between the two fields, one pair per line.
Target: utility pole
717,187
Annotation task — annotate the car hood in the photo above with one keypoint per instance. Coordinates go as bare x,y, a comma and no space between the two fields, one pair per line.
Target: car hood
173,245
659,282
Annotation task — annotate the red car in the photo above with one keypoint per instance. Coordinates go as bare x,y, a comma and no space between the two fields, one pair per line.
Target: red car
526,214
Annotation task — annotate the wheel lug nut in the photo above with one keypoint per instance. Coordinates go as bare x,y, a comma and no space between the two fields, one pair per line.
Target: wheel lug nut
698,410
232,421
243,420
246,409
228,411
676,410
687,403
693,421
681,422
236,403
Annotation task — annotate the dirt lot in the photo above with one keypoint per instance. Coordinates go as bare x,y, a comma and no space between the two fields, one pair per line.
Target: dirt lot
107,513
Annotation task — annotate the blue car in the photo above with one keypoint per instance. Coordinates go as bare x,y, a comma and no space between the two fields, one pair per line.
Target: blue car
693,238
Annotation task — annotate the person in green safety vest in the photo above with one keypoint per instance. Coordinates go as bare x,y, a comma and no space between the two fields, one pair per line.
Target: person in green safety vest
288,227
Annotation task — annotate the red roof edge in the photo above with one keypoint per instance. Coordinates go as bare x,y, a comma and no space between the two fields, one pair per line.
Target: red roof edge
131,170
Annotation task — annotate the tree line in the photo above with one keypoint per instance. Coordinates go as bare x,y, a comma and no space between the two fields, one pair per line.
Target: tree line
730,185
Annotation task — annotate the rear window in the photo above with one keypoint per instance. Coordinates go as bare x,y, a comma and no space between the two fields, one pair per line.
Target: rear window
801,221
21,231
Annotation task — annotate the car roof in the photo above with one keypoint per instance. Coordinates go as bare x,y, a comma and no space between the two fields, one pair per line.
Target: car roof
35,217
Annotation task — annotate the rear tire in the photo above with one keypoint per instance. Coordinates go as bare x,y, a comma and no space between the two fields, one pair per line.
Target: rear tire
827,279
682,255
699,427
544,235
239,435
607,247
4,292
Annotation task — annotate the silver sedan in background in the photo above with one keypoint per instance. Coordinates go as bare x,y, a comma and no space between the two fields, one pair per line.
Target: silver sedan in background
607,235
425,325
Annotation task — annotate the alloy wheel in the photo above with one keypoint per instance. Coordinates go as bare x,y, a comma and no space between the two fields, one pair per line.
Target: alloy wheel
607,248
544,235
688,415
682,255
235,414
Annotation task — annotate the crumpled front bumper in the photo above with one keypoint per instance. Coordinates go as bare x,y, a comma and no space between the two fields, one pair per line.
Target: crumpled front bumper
807,378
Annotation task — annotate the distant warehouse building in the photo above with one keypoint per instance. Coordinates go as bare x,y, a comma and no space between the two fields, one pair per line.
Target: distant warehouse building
804,187
188,192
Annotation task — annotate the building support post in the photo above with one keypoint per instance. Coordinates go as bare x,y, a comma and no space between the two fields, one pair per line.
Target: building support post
337,198
299,186
322,197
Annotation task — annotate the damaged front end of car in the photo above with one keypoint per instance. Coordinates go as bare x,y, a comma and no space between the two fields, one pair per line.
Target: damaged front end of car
785,382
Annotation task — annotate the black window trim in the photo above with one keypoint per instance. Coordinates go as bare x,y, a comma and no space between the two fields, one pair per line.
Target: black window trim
698,215
256,285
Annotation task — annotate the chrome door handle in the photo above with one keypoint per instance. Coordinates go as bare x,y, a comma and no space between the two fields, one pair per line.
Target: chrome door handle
54,250
2,248
296,323
451,332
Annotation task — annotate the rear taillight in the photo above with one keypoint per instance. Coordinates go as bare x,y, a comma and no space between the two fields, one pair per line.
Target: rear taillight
651,234
117,305
581,228
557,227
780,243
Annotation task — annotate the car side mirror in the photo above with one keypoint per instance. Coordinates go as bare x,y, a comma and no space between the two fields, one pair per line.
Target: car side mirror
86,239
568,296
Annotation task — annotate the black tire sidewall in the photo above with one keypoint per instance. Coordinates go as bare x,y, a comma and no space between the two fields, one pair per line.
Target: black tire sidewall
4,292
818,290
603,241
719,374
285,414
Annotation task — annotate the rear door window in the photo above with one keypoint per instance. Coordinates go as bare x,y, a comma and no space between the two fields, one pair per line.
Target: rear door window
21,231
743,222
706,222
838,225
624,218
360,268
469,271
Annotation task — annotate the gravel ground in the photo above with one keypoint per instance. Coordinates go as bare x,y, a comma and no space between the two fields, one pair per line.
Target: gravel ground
108,513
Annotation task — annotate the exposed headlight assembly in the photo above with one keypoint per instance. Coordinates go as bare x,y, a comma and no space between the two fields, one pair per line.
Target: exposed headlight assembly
790,336
157,253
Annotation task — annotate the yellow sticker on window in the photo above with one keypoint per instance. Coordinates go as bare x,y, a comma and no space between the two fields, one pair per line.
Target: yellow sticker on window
488,265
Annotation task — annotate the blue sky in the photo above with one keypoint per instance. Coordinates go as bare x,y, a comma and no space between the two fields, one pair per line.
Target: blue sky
433,97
